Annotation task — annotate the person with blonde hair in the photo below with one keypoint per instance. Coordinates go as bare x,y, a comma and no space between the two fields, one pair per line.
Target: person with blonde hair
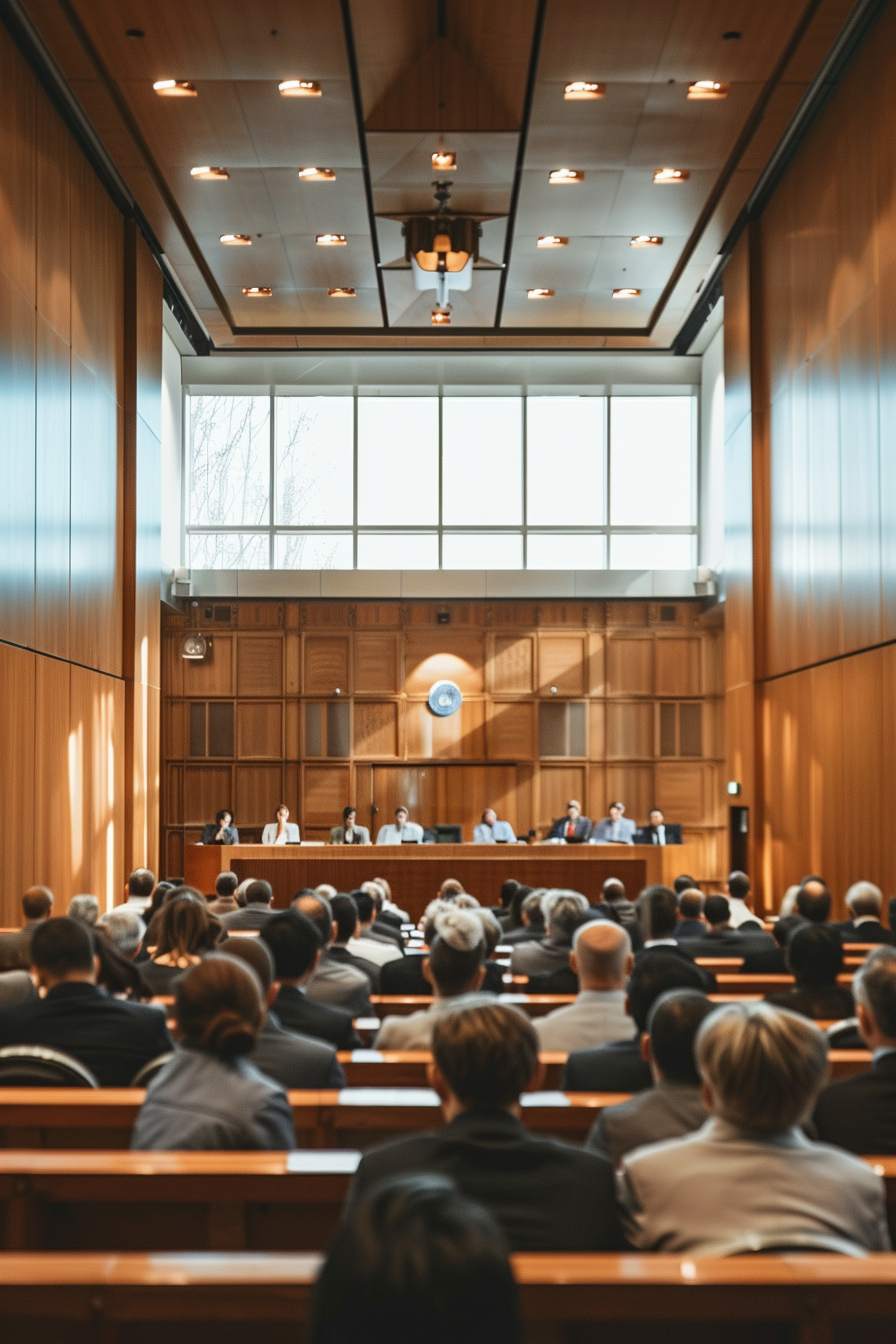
749,1179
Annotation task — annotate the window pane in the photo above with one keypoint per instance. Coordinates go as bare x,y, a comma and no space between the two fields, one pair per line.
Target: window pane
651,461
482,550
482,453
652,551
565,461
230,459
314,460
554,550
398,460
229,550
313,550
398,550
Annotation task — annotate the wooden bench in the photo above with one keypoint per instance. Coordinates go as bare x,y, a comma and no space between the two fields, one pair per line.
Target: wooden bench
402,1005
652,1299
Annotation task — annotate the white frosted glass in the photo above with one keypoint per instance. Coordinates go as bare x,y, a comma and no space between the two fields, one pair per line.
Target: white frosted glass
314,550
398,460
482,550
651,461
398,550
314,448
565,469
560,550
230,459
482,454
652,551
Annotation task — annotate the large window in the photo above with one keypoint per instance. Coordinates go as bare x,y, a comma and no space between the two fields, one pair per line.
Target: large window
441,482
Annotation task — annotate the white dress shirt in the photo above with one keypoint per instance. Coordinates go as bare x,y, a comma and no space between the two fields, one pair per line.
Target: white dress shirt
288,836
659,835
394,835
371,949
483,834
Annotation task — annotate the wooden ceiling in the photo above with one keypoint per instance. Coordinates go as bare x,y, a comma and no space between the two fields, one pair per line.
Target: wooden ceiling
489,76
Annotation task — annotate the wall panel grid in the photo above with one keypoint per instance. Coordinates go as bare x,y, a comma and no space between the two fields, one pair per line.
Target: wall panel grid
324,704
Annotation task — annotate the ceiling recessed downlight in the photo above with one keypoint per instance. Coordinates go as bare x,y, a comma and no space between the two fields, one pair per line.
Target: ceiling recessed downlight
175,88
341,292
663,175
258,291
235,240
582,90
207,174
330,240
561,177
551,240
444,161
646,240
708,89
626,293
539,293
441,317
299,88
317,174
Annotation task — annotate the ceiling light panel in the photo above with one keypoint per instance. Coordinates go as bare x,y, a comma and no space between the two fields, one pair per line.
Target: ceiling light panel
299,88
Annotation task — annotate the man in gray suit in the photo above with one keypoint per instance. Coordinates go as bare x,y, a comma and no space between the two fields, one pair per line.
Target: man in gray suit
257,910
615,829
334,982
349,833
562,911
674,1105
602,959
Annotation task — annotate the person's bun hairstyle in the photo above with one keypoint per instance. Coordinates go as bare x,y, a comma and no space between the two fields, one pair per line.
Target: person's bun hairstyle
218,1007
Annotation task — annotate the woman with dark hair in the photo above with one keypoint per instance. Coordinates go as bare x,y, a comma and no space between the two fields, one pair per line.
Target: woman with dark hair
209,1097
185,931
417,1261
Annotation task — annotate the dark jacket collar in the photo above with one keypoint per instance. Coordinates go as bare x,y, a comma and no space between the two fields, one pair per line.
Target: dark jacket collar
76,989
485,1123
290,992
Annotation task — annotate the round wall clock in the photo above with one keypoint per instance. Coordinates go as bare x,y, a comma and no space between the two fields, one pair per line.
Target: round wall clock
445,698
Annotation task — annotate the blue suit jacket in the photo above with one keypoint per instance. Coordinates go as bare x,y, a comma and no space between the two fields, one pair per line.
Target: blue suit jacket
626,829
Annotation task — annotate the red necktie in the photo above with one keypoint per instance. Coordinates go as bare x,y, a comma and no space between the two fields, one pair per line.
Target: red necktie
570,828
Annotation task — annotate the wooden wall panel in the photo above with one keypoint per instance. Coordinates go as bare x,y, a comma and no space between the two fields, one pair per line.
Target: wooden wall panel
444,653
375,663
17,169
259,665
53,270
511,730
259,792
326,665
206,788
17,497
260,730
17,799
512,664
327,791
98,783
678,667
53,781
562,662
97,262
213,675
629,666
95,612
630,730
557,785
684,790
632,785
375,729
53,493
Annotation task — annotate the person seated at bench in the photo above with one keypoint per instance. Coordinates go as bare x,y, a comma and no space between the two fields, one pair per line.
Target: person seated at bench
772,960
691,921
387,923
864,901
368,943
186,932
258,908
225,901
526,917
333,982
815,958
658,915
619,1066
345,925
722,940
860,1113
455,971
601,958
749,1177
674,1105
208,1097
295,946
417,1261
292,1060
15,948
124,930
562,910
547,1195
111,1037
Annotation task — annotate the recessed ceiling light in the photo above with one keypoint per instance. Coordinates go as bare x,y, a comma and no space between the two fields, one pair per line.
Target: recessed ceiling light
551,240
561,177
444,161
175,88
732,36
341,292
317,174
330,240
299,88
441,317
707,88
582,89
645,240
257,291
134,33
210,174
626,293
663,175
236,239
539,293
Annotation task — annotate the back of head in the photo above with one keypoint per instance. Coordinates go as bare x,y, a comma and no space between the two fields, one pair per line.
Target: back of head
656,971
37,903
345,917
813,900
784,928
384,888
256,954
815,955
739,885
683,883
185,925
562,910
488,1055
613,890
218,1008
516,906
874,987
690,903
508,888
764,1065
673,1023
864,898
602,950
226,884
293,942
325,890
141,883
62,947
658,910
717,910
124,929
319,912
84,907
464,901
259,893
457,951
415,1260
450,888
364,905
533,910
375,892
491,929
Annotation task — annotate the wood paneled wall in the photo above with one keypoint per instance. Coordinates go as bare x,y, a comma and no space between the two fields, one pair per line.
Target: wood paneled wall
80,342
811,429
321,704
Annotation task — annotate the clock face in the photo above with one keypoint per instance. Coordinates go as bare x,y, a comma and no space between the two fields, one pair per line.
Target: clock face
445,698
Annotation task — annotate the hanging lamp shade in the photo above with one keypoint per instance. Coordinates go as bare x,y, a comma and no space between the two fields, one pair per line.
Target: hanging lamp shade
441,242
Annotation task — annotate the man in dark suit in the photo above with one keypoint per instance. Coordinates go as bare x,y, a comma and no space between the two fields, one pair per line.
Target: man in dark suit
221,831
573,828
815,957
864,901
658,915
620,1066
15,948
257,910
547,1195
859,1113
721,940
691,923
334,982
772,960
345,926
295,946
111,1037
657,832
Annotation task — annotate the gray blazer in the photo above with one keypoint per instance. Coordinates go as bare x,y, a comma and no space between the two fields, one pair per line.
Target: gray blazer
200,1104
596,1017
713,1192
293,1060
666,1111
337,836
341,986
539,958
15,987
602,832
251,916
